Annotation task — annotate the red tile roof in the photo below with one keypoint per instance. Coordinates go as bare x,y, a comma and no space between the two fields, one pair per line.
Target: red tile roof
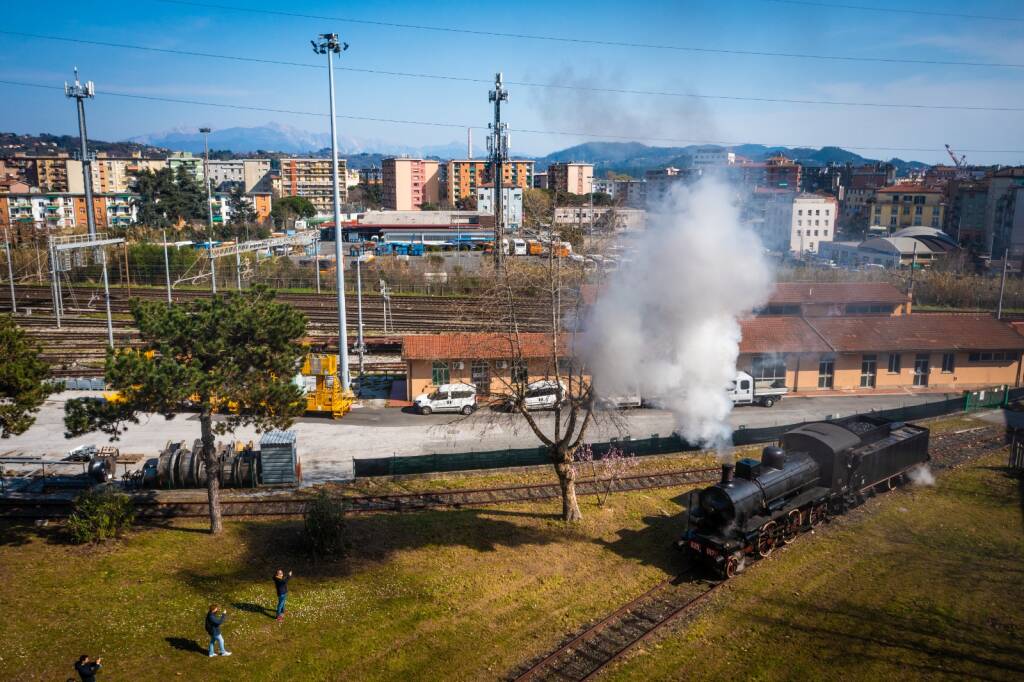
836,292
921,331
780,335
469,346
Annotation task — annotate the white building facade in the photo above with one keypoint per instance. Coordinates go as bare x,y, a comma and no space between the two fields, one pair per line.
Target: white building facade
813,222
511,205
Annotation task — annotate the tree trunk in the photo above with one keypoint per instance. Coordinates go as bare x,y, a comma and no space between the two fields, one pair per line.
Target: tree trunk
567,480
212,472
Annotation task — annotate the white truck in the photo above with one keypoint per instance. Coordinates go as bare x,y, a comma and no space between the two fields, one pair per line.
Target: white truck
745,390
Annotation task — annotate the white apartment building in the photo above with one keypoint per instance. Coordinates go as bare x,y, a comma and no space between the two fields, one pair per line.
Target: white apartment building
603,217
253,175
511,204
709,157
813,222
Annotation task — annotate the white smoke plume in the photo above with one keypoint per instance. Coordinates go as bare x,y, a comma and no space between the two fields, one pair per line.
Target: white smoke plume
921,475
669,325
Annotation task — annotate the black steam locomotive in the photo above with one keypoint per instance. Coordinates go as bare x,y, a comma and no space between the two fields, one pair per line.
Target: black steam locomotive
821,469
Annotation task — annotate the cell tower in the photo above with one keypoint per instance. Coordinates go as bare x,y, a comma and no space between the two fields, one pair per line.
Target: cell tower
81,92
497,145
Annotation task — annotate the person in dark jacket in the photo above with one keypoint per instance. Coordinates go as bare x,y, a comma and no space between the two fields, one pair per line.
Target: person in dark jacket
281,583
87,668
214,619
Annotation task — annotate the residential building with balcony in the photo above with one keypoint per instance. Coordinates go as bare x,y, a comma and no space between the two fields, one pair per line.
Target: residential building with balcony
252,175
511,204
908,205
192,164
461,177
410,183
312,179
782,172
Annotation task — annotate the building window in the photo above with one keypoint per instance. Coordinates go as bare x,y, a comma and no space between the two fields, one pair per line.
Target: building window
894,363
439,373
868,371
921,369
826,233
815,233
991,356
798,233
826,372
520,372
948,363
769,367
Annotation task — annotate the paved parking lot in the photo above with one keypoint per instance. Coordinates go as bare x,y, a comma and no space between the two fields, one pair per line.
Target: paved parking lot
327,447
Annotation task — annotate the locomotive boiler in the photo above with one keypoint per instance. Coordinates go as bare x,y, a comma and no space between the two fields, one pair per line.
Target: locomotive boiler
819,469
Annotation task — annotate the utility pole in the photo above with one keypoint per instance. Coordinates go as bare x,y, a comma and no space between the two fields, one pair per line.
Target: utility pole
330,46
360,346
106,296
1002,284
498,146
80,93
10,271
316,262
167,267
209,205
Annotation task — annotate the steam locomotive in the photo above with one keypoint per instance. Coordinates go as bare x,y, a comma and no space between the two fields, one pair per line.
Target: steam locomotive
821,469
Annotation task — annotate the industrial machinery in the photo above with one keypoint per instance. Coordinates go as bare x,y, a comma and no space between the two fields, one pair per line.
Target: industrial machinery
238,465
323,390
820,470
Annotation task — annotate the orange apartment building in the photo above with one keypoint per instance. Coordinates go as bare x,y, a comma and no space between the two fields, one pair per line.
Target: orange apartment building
312,179
461,177
575,178
410,183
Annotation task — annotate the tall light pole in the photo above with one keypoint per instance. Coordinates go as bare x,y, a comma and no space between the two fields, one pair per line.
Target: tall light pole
82,92
209,204
329,45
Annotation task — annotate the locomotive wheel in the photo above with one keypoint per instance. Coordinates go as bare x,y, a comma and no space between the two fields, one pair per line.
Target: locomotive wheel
766,540
731,567
892,483
818,515
794,520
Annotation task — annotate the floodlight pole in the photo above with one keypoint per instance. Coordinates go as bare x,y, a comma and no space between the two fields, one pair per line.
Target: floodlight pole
167,267
329,45
55,282
209,205
80,92
10,271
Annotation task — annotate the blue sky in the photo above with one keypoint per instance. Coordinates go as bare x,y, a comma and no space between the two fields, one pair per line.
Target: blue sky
731,24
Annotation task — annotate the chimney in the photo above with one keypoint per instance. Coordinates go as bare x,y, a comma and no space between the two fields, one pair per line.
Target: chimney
909,304
727,472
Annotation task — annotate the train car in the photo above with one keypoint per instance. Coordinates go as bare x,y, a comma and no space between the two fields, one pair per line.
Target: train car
819,470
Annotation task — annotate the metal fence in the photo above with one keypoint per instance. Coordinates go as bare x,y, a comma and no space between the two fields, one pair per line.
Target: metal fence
654,445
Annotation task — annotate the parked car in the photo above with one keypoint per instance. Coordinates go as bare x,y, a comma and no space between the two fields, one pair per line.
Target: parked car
448,398
545,394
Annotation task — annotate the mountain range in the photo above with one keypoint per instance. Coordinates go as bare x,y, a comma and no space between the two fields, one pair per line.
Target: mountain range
275,139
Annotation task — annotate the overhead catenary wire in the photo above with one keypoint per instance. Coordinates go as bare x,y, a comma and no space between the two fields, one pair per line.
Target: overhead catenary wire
585,41
896,10
553,86
464,126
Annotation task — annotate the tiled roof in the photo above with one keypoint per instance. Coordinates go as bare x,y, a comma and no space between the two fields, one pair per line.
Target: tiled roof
468,346
836,292
780,335
920,331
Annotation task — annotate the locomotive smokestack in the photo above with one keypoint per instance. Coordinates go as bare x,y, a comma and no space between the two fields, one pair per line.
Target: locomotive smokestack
727,472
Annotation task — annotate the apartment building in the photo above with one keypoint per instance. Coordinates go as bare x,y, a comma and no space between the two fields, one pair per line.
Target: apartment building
908,205
601,217
813,221
712,157
511,204
58,173
410,183
192,164
116,175
259,201
782,172
56,211
252,175
312,179
461,177
575,178
370,176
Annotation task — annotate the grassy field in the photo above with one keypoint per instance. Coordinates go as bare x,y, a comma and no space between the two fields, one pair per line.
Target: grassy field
456,595
923,584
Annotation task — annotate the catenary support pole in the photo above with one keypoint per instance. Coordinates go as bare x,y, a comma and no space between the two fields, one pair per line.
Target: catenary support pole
56,284
359,296
106,295
10,271
167,268
316,263
209,206
238,270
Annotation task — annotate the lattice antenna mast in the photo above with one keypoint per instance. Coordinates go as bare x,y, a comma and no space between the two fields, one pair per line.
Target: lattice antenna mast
80,92
497,145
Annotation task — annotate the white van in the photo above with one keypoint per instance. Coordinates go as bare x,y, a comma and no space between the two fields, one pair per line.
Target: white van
544,395
518,247
448,398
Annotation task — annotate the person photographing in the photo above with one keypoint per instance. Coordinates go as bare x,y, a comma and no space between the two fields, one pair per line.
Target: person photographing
215,617
281,585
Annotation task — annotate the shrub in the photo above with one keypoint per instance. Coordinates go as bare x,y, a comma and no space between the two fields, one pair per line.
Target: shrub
325,526
100,514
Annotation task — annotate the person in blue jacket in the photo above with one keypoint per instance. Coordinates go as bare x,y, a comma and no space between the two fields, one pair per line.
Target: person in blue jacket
214,619
87,668
281,583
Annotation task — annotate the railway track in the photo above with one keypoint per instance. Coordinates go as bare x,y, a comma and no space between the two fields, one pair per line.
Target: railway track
592,650
175,505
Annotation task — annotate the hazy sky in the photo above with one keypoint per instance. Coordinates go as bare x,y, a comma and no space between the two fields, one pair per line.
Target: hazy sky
752,25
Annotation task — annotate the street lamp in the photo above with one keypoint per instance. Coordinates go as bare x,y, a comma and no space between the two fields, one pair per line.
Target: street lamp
329,45
209,204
